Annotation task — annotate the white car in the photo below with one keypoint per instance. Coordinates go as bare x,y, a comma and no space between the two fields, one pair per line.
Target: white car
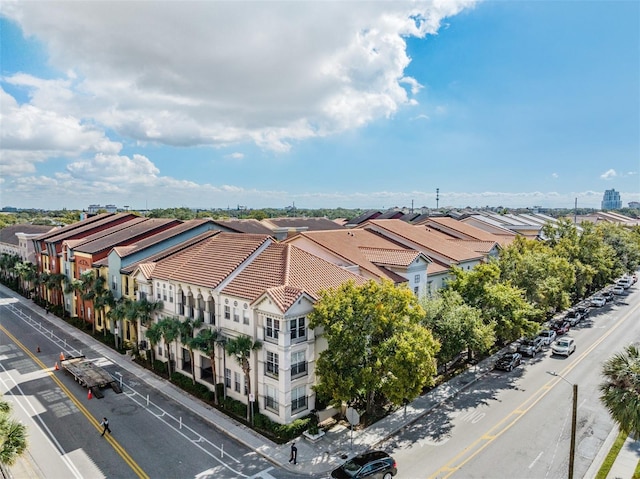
617,290
598,301
563,346
548,336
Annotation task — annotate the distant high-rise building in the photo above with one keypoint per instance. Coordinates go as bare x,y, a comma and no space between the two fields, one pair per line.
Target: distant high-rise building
611,200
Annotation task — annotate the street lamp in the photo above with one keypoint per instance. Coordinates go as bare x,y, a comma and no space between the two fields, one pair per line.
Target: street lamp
574,415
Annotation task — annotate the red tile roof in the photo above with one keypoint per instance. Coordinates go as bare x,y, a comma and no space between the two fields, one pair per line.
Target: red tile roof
285,273
426,240
363,248
211,261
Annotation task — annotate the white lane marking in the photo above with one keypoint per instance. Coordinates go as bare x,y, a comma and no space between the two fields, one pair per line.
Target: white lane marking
535,460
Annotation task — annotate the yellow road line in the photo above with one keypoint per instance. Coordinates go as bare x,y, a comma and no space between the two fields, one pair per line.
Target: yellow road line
487,438
118,448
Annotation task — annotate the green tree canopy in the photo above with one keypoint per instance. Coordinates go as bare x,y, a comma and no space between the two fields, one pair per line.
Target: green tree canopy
457,326
500,303
377,347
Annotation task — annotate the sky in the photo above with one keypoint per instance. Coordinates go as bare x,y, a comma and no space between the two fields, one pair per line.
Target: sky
319,104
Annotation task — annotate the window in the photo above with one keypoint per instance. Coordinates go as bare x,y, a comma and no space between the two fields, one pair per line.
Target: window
416,278
171,298
114,285
158,295
164,292
272,364
270,397
227,378
227,312
298,398
273,328
415,291
236,315
245,317
298,329
236,382
298,364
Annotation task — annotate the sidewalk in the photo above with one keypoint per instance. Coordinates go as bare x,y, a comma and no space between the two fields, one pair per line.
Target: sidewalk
313,458
317,458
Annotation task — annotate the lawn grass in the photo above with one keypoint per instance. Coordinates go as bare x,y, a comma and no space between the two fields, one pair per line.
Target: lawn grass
636,473
611,457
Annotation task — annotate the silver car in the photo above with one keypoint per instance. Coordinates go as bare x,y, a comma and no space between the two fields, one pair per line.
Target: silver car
547,336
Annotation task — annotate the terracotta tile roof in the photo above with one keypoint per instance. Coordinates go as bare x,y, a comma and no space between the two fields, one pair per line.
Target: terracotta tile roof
437,267
285,273
244,226
312,224
469,231
424,239
367,215
395,257
350,245
483,247
165,253
211,261
147,269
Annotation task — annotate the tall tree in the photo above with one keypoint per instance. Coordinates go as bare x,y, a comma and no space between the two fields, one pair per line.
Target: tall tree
500,303
457,326
154,335
13,436
186,330
241,349
170,329
377,348
620,391
207,341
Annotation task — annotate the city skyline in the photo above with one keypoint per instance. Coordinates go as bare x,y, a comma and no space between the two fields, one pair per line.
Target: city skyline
319,104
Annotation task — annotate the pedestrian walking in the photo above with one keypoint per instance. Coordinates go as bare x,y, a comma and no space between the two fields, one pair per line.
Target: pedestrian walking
105,426
294,453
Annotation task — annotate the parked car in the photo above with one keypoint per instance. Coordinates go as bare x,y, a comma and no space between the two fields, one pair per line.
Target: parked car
547,336
598,301
584,311
508,361
563,346
607,295
530,346
372,465
617,290
634,277
561,327
573,316
625,282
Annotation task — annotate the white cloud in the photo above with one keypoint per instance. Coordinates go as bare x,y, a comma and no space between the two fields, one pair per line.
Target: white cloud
609,174
235,156
218,73
555,176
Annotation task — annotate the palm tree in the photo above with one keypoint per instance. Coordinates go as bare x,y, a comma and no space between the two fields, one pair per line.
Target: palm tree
241,348
154,335
104,299
186,329
146,311
621,389
26,272
118,314
170,328
207,341
13,436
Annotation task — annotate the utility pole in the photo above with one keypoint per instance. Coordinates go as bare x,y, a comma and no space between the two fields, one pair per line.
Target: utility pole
574,422
437,197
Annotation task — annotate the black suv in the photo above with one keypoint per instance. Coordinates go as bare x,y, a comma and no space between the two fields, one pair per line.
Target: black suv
372,465
530,346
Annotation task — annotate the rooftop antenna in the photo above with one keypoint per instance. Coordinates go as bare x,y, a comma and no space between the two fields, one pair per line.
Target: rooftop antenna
437,197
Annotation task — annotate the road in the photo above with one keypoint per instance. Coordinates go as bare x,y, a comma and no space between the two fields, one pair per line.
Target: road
518,424
153,436
507,424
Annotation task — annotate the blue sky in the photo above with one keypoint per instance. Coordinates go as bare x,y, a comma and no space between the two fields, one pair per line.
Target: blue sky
319,104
